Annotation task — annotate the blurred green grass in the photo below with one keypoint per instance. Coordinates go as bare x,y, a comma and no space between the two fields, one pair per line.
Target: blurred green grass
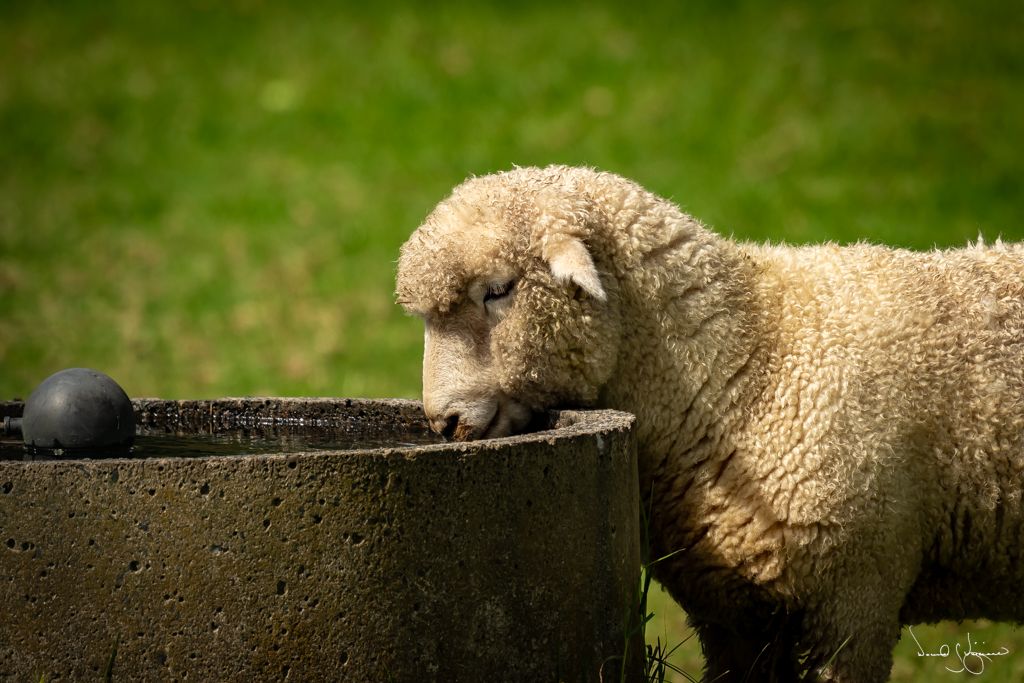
207,198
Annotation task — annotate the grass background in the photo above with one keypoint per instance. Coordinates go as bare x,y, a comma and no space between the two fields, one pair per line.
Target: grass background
207,198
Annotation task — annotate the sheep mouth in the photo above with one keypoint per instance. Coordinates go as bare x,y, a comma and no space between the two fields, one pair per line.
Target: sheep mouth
459,428
492,429
506,419
464,432
510,417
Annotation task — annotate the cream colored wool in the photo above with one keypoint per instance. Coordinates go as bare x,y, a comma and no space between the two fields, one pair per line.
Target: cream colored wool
832,436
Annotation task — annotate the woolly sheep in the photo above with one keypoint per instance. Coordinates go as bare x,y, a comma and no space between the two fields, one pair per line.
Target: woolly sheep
832,438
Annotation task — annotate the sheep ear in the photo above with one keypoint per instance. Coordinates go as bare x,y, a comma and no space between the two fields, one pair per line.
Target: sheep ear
570,262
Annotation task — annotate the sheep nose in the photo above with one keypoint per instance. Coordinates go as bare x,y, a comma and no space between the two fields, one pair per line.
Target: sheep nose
445,426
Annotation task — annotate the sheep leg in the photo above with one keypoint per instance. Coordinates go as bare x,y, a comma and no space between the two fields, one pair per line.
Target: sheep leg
849,630
734,658
865,657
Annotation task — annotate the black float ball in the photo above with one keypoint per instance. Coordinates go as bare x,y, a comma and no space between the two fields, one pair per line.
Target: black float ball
78,410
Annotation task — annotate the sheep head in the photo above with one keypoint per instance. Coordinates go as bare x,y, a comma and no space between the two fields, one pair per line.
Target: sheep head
518,316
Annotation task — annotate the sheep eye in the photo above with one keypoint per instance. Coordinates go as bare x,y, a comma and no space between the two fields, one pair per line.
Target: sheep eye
499,291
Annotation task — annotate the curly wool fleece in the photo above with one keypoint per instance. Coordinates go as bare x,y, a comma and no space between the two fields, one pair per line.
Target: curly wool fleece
832,438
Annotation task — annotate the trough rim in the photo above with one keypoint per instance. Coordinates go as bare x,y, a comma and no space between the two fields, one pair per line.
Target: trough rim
575,423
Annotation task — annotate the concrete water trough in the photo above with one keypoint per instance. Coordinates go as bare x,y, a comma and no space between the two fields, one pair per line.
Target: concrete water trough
505,559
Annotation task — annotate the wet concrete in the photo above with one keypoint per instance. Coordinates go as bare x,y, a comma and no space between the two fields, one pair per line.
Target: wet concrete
506,559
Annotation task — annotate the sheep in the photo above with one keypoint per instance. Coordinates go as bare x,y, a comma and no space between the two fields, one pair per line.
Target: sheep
830,439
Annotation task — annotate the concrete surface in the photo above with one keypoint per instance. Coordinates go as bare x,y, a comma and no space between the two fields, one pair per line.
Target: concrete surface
511,559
